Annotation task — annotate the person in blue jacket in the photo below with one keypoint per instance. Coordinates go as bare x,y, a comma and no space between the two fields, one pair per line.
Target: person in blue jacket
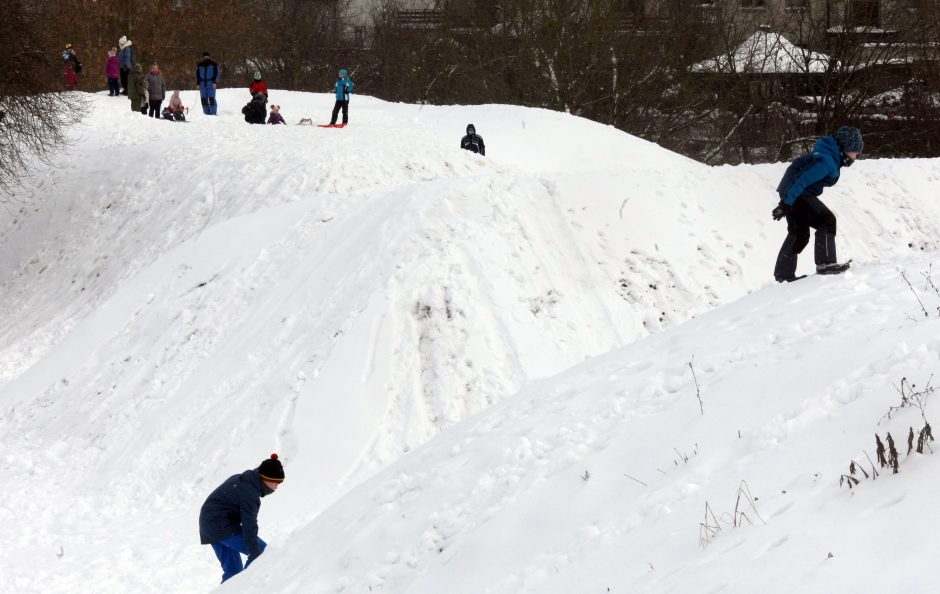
344,87
228,519
799,192
207,80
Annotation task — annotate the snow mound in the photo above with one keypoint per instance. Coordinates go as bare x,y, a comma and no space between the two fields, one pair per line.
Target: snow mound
179,300
598,479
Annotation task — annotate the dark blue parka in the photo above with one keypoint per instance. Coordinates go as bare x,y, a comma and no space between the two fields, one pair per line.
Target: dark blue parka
207,74
810,174
232,509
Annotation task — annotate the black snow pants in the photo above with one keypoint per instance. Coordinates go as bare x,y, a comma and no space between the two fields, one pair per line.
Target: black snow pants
806,212
340,104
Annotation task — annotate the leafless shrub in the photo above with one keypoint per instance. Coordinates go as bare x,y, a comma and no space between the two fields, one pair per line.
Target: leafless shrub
745,508
911,397
698,390
851,479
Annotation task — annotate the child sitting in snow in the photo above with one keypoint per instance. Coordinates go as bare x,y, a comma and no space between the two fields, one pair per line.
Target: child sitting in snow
175,110
276,117
256,111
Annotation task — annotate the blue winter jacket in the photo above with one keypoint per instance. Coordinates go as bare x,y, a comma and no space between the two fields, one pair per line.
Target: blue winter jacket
126,58
808,175
232,509
207,72
344,88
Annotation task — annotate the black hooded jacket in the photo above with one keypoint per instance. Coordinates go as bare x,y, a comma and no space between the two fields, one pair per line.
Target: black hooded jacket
473,142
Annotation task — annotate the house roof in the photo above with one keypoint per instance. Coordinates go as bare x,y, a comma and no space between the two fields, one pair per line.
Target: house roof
766,52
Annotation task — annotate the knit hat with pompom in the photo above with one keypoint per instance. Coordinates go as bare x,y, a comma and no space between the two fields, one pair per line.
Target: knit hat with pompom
272,470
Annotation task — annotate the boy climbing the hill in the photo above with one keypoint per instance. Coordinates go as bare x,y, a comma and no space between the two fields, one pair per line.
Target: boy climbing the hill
799,192
228,519
472,141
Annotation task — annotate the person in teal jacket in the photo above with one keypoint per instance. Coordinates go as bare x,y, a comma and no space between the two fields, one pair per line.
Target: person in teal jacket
344,88
799,190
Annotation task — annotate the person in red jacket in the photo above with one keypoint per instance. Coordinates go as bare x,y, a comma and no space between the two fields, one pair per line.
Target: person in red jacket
258,86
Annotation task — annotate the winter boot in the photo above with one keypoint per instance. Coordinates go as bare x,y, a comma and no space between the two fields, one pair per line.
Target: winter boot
833,268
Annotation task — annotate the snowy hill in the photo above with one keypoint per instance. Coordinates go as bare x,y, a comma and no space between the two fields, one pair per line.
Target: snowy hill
179,300
597,480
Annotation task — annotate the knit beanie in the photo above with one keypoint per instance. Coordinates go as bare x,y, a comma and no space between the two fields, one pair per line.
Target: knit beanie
850,139
272,470
257,75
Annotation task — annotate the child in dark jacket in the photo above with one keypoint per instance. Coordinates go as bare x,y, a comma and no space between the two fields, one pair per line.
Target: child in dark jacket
472,141
228,519
799,190
276,117
112,69
256,111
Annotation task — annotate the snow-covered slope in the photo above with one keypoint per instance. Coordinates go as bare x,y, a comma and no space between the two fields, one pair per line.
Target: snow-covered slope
179,300
597,480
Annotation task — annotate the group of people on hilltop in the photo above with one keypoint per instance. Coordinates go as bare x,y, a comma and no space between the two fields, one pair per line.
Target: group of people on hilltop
126,76
147,91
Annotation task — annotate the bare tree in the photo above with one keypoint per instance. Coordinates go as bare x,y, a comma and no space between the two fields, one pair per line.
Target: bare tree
35,113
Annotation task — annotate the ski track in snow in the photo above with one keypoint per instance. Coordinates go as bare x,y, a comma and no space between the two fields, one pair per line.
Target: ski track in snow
179,300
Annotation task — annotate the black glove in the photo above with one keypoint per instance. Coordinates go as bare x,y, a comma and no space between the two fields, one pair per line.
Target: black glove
781,211
250,559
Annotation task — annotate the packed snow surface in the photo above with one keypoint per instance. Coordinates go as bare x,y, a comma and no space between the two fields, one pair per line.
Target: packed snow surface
529,372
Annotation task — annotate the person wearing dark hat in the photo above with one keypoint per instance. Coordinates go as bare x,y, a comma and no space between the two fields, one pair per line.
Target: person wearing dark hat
473,141
228,519
207,81
799,190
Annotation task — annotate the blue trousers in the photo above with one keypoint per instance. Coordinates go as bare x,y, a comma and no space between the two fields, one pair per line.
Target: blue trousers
207,97
230,551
